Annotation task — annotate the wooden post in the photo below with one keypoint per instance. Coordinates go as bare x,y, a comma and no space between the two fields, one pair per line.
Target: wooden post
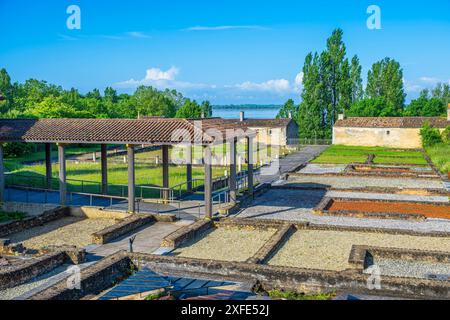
250,165
48,165
232,183
104,165
189,168
131,179
165,165
208,182
2,175
62,174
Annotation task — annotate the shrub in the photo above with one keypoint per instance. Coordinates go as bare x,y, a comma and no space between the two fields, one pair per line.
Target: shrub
430,136
446,135
17,149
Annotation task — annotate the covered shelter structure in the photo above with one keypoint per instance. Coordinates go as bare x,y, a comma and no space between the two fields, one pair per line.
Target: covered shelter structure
163,132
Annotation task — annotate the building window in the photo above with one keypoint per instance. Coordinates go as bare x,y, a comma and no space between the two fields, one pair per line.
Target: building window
270,132
388,132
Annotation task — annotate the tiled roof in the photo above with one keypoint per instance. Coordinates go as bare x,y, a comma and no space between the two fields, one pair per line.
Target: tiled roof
126,131
267,123
392,122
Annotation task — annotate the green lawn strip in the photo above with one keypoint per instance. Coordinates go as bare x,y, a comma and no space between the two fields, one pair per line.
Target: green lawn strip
440,156
348,154
399,160
86,177
11,216
340,159
291,295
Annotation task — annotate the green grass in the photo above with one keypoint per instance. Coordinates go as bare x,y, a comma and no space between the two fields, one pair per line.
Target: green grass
291,295
11,216
350,154
89,173
440,155
38,156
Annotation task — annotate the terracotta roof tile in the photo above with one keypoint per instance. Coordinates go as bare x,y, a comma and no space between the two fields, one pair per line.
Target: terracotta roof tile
392,122
126,131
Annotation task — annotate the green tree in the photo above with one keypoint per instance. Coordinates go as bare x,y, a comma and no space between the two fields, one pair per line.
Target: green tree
288,107
335,76
6,90
385,79
378,107
311,115
190,110
150,102
424,106
356,80
206,109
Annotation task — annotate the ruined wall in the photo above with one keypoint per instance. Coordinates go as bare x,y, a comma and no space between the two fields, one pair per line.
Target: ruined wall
381,137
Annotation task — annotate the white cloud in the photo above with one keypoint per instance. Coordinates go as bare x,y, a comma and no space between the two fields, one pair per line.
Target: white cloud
163,79
299,81
138,34
225,27
277,85
154,74
271,91
430,80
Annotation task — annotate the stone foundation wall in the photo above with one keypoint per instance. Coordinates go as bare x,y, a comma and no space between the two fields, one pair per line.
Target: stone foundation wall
94,279
30,222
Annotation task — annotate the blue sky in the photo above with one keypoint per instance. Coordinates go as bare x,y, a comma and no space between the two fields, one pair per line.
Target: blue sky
224,51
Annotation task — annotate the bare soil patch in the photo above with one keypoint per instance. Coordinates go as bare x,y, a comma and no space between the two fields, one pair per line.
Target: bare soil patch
427,209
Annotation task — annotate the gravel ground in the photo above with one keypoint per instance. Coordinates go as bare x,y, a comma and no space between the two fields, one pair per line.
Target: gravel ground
297,205
330,250
323,168
359,182
222,244
66,231
12,293
413,269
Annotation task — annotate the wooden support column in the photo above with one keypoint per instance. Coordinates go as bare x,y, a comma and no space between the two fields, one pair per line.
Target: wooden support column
104,165
48,165
62,174
233,192
131,179
208,182
189,168
250,165
2,175
165,165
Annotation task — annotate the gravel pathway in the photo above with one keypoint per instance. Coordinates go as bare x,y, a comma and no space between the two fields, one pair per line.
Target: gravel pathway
66,231
297,205
413,269
222,244
330,250
360,182
17,291
323,168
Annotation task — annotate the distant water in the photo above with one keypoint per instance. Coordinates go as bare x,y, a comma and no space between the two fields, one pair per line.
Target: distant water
254,113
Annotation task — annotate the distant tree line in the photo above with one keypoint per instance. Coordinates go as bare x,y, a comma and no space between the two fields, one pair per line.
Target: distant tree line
39,99
332,84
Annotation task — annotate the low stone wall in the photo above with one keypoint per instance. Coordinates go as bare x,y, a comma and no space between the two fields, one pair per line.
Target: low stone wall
184,234
51,258
94,279
359,254
31,209
17,275
97,213
121,228
296,279
30,222
272,245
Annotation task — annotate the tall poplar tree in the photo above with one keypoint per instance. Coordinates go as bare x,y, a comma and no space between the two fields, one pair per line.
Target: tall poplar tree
385,80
